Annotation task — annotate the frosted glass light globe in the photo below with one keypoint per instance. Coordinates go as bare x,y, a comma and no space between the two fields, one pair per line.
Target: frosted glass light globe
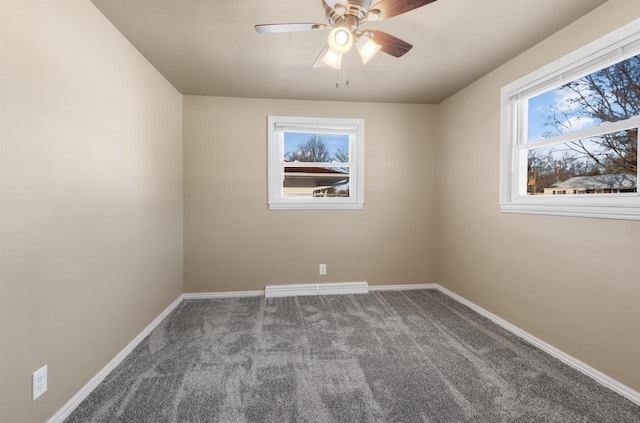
340,40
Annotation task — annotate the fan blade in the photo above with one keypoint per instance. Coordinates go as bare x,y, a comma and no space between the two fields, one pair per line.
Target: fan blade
288,27
390,44
391,8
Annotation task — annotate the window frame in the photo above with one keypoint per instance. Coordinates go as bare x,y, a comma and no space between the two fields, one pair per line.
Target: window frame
277,125
612,48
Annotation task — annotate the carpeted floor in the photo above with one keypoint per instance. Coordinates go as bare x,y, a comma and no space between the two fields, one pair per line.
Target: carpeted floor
407,356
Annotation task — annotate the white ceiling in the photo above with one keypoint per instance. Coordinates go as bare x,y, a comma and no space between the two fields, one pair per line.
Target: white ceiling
209,47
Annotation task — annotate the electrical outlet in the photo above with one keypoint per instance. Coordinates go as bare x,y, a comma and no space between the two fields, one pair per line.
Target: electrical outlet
39,384
323,269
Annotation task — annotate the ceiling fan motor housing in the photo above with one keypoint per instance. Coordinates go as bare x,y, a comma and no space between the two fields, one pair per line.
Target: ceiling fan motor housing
354,12
358,8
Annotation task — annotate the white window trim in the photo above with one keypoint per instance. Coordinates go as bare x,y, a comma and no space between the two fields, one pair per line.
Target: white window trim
276,163
612,48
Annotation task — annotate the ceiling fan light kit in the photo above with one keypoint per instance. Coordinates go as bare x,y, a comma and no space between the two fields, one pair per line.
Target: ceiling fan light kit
332,59
345,17
367,48
340,40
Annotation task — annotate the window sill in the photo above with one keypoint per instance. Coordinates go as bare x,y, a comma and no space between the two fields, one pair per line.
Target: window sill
623,210
315,206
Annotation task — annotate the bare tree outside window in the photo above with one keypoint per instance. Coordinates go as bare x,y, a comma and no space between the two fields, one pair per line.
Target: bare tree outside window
313,150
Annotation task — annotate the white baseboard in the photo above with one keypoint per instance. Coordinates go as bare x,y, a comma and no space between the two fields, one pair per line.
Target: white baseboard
271,291
228,294
406,287
71,405
597,375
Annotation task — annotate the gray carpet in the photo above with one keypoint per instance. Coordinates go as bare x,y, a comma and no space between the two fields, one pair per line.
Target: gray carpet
408,356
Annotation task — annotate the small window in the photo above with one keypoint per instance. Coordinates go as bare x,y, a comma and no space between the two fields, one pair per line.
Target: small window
316,163
572,128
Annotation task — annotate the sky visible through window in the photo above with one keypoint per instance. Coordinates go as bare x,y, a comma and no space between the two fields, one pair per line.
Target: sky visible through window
335,143
562,110
543,107
538,111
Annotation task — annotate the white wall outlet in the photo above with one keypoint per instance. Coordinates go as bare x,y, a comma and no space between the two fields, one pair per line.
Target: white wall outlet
323,269
39,385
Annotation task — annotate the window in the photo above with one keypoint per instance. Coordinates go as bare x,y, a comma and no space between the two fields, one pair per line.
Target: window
316,163
569,141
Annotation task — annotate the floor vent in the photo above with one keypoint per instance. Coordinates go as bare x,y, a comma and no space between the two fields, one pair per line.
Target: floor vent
316,289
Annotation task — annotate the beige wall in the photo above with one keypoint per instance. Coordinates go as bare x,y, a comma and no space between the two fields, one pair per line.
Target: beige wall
91,214
90,199
515,265
234,242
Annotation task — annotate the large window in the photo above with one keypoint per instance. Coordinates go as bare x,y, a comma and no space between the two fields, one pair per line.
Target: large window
316,163
570,133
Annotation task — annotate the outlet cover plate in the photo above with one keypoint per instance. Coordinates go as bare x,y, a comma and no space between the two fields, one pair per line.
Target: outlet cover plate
39,382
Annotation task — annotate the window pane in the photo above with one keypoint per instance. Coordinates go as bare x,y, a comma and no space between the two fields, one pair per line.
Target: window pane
310,147
605,164
309,182
608,95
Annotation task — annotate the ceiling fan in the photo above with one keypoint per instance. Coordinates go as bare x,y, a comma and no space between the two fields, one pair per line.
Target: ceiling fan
344,18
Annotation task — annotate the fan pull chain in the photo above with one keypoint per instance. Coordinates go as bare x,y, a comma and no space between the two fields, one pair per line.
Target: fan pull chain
346,81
